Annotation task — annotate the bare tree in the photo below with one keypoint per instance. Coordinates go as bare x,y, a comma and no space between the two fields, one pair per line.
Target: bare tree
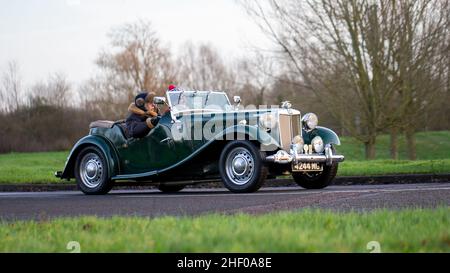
256,73
55,91
137,61
11,88
423,31
202,68
351,54
326,45
99,96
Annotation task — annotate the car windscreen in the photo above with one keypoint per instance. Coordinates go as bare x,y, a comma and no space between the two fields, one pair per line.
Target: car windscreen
198,100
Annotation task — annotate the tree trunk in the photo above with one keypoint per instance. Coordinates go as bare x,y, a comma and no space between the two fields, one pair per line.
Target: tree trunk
394,143
370,148
411,144
261,96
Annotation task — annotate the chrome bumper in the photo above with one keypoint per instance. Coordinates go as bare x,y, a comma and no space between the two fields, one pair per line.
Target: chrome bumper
284,157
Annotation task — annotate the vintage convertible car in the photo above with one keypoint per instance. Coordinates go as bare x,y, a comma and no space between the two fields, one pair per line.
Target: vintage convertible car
203,137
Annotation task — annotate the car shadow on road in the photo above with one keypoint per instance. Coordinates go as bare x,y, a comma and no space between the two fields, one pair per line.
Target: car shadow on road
218,191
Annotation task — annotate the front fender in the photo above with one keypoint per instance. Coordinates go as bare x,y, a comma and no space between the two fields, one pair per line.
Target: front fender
250,132
112,159
328,135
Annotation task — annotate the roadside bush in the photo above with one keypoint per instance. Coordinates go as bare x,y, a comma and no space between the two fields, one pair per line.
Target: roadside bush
43,128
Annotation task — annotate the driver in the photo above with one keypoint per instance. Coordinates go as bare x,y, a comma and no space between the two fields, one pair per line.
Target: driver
143,115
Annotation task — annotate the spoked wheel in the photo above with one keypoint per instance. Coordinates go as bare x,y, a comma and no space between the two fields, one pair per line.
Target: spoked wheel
241,167
91,172
167,188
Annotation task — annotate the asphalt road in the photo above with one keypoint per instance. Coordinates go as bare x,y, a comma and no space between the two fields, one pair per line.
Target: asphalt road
43,205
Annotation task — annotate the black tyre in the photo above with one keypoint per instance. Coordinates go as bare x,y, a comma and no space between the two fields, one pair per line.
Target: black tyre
316,180
242,167
313,180
167,188
91,172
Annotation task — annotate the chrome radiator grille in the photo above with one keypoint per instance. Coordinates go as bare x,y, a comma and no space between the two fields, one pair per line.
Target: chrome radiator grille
289,127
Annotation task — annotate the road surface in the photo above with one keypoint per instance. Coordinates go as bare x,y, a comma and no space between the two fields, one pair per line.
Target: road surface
152,203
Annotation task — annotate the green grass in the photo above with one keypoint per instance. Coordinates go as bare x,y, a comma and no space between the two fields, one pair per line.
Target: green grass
433,153
430,145
380,167
412,230
31,167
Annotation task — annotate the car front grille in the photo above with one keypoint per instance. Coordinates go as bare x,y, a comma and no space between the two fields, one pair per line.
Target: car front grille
289,127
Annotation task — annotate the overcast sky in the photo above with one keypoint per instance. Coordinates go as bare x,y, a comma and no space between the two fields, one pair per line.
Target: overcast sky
47,36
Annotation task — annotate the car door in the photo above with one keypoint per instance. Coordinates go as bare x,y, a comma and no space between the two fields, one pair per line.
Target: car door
156,151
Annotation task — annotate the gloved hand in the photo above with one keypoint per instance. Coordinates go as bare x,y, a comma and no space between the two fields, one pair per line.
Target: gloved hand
155,120
152,122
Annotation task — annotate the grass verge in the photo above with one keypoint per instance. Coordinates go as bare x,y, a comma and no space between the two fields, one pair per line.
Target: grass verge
429,146
433,152
31,167
383,167
411,230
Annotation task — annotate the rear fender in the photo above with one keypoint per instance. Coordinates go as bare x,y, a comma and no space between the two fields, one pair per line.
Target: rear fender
112,159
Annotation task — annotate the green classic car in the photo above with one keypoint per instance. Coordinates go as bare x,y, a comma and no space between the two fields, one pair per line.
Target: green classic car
204,138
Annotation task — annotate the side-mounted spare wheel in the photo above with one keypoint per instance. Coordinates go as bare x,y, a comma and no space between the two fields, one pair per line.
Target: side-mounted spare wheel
242,167
319,180
91,171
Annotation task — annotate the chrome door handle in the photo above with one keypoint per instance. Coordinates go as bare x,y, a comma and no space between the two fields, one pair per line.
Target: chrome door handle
167,139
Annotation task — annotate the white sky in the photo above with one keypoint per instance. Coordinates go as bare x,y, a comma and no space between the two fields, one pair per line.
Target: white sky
47,36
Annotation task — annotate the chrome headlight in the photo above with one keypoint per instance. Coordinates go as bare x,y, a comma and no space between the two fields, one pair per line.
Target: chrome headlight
317,144
268,121
310,121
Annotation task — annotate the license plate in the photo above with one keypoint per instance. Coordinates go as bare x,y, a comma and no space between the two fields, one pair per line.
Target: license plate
307,167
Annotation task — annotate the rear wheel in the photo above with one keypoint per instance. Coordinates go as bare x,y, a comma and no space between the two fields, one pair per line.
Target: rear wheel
91,172
167,188
241,167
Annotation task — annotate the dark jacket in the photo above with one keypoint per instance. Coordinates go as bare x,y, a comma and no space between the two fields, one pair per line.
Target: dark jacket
137,124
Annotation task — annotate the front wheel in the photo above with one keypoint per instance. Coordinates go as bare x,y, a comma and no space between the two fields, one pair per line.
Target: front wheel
241,167
91,172
316,180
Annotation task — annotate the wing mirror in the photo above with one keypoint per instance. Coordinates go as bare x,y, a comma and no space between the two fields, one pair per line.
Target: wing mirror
286,104
159,100
237,102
